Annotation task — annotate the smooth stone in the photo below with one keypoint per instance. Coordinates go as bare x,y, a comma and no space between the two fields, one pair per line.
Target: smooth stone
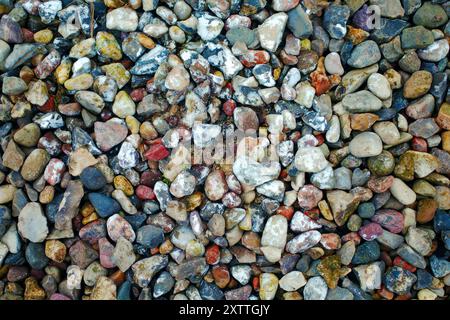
315,289
105,206
361,101
366,144
364,55
402,192
379,86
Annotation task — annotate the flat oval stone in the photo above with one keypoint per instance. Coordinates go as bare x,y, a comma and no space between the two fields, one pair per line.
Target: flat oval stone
364,54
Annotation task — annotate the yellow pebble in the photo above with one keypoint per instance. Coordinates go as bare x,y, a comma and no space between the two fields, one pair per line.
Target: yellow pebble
148,131
193,201
122,183
166,247
246,223
90,218
62,72
305,44
87,209
268,286
43,36
145,41
194,248
218,73
107,46
276,73
114,3
32,290
82,82
118,72
446,141
133,124
47,194
325,210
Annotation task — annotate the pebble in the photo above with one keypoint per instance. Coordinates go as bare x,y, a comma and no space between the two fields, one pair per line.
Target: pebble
402,192
315,289
333,64
399,280
361,101
268,286
364,55
270,32
417,85
366,144
122,19
310,159
32,223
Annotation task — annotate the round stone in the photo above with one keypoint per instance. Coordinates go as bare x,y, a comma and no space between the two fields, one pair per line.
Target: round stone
366,144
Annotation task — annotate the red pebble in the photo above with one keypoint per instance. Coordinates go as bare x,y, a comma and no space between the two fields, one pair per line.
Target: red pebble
28,36
370,231
54,171
145,193
48,106
295,136
419,144
255,283
399,262
330,241
138,94
284,174
228,107
389,219
351,236
127,63
212,254
288,59
286,212
221,276
309,196
320,139
47,65
320,82
156,152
